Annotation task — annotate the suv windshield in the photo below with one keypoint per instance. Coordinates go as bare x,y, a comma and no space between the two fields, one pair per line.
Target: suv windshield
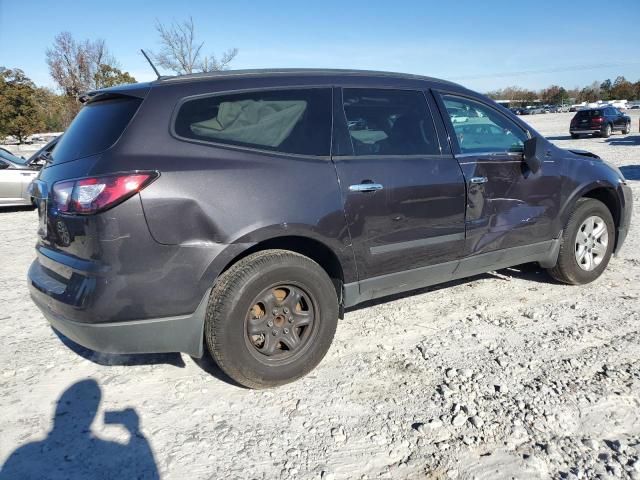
97,127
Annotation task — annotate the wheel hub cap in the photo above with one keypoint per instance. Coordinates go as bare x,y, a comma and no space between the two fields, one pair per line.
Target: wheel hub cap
591,243
280,321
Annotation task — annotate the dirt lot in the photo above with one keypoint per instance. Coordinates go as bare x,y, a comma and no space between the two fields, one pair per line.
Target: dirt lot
498,376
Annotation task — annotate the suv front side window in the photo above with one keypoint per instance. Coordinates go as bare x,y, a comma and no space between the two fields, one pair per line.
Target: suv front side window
389,122
294,121
481,129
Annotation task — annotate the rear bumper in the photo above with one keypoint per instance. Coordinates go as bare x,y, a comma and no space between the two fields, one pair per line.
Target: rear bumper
183,333
585,130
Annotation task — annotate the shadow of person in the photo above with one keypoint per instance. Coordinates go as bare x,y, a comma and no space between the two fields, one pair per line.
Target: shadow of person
72,451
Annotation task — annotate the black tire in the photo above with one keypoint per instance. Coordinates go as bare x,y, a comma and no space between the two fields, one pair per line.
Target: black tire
627,129
575,135
233,302
567,269
606,131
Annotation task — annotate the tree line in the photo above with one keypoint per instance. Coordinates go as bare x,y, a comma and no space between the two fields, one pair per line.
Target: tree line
619,89
79,66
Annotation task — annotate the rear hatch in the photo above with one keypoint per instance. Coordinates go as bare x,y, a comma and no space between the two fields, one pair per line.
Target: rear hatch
94,131
585,118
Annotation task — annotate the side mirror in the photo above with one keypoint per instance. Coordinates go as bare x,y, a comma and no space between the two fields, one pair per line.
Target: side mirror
533,151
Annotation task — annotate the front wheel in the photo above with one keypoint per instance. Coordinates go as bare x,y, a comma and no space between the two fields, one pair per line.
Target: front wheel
271,318
627,129
587,243
575,135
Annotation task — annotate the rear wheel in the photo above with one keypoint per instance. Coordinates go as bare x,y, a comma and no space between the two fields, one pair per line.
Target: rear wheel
271,318
587,243
575,135
606,131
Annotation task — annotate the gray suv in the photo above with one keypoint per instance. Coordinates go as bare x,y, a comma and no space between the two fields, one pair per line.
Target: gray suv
242,212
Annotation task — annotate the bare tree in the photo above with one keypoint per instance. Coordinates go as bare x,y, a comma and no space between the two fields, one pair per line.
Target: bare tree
75,65
181,53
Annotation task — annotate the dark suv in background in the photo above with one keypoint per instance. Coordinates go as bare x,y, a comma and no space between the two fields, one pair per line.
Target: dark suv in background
599,121
242,212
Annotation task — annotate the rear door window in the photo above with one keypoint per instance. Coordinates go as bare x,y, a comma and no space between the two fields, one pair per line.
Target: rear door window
481,129
96,128
389,122
294,121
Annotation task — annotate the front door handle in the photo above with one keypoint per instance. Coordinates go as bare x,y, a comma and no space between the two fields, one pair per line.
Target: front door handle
478,180
365,187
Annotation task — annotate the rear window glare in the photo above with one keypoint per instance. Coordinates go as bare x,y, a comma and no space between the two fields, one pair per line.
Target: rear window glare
96,128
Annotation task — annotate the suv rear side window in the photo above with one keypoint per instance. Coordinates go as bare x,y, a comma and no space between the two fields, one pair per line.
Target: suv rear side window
479,128
290,121
97,127
389,122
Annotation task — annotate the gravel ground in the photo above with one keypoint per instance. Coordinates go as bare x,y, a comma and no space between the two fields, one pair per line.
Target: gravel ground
499,376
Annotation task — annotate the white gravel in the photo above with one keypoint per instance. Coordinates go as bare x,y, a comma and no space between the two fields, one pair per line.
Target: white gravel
499,376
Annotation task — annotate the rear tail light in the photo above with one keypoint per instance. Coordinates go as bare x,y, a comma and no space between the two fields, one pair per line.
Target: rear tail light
96,194
597,120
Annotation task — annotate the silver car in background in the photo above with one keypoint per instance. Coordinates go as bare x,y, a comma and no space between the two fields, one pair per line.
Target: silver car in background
16,174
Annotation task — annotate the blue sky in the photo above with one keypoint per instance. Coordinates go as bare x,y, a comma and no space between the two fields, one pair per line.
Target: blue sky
483,44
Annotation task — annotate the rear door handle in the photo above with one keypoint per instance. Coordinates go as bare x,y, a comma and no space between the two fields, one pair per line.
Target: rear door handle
478,180
365,187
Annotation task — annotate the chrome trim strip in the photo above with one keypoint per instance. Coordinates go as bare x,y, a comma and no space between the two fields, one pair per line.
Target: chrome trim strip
422,242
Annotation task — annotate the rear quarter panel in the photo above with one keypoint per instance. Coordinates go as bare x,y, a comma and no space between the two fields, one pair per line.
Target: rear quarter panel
208,194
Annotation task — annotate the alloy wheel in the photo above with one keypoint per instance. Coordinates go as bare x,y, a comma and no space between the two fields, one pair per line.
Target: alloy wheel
591,243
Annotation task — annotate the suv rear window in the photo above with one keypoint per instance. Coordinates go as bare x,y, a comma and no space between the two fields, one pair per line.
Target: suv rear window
290,121
97,127
589,113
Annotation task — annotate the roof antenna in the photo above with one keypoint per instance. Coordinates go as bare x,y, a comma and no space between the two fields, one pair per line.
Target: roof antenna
150,62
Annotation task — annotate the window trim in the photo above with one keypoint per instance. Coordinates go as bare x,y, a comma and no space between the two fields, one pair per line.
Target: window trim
428,111
453,140
183,100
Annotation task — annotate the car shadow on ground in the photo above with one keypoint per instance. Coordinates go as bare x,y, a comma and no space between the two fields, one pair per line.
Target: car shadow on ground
529,271
206,363
209,365
627,141
631,172
559,137
21,208
114,359
71,450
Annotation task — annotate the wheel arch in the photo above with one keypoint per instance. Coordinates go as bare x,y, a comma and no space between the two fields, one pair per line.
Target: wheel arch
605,193
310,247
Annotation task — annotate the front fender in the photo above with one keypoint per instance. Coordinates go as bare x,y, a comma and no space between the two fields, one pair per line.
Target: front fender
581,191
